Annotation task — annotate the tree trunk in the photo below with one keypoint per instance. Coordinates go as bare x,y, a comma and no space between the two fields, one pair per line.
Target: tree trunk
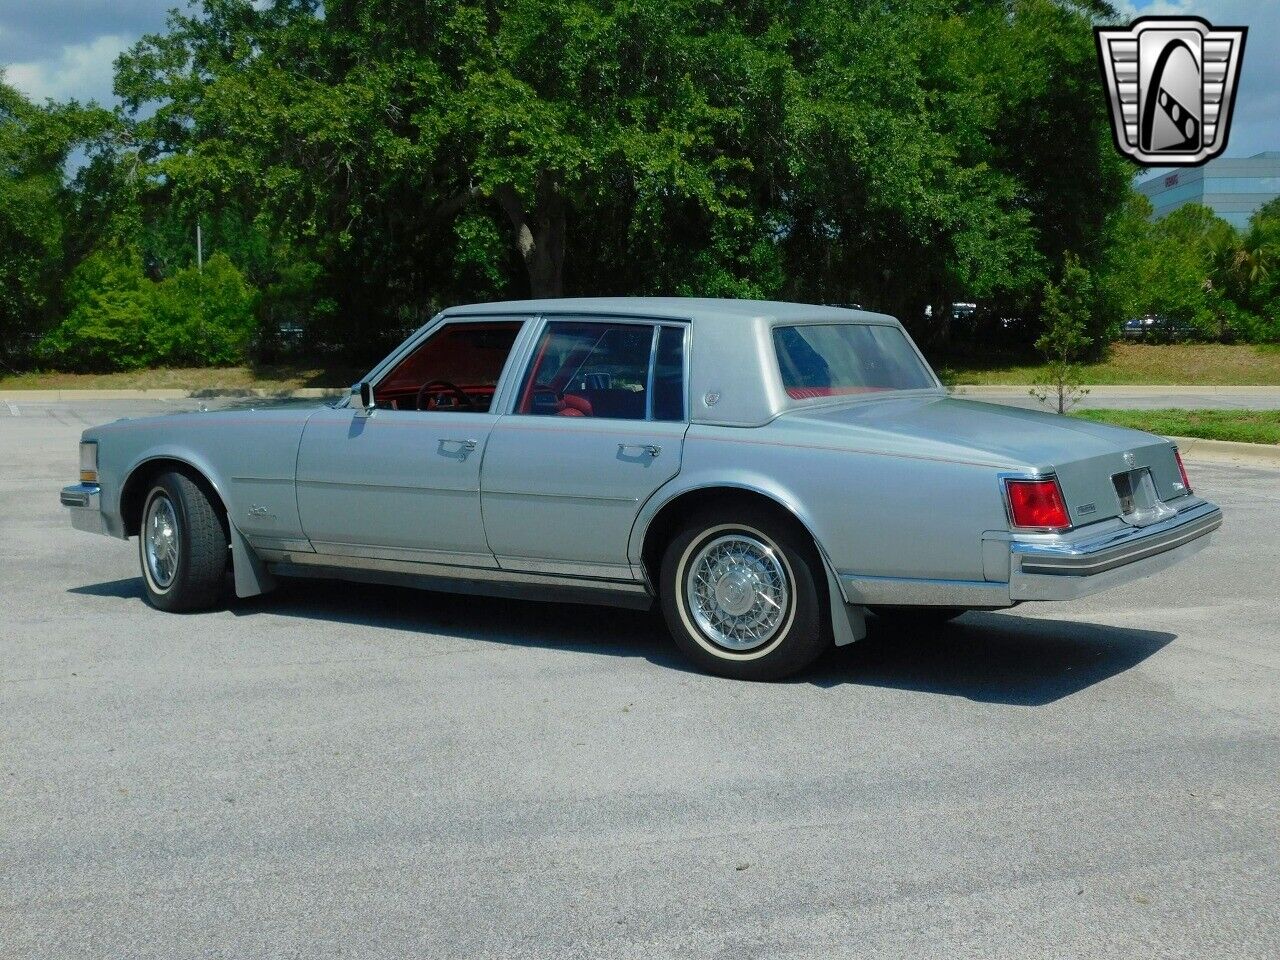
540,235
942,322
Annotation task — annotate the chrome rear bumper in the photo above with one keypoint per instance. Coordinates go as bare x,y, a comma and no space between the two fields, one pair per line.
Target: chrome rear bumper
1050,566
1066,568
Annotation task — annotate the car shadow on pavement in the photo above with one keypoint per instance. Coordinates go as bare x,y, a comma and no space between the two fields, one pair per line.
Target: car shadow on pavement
128,588
991,658
611,631
999,658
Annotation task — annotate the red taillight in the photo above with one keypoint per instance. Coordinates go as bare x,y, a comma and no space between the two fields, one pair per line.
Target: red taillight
1186,484
1037,504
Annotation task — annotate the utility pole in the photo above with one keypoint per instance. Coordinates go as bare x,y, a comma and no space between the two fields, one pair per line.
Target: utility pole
199,248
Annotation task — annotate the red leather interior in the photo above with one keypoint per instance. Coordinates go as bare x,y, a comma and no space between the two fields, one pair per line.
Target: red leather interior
572,405
808,393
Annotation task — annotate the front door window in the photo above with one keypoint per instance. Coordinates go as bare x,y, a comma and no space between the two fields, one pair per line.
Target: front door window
455,370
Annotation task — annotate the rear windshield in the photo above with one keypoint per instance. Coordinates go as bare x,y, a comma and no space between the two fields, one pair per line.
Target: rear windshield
838,359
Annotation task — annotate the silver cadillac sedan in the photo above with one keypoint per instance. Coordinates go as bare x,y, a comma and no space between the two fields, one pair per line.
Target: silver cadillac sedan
768,473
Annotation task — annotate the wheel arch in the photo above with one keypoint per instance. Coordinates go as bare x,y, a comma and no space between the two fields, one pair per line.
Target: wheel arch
133,491
661,518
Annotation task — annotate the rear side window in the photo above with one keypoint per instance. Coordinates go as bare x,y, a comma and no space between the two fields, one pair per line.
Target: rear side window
841,359
600,369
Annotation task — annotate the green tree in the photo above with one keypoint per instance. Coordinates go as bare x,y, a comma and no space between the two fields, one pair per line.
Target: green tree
111,308
1261,269
35,206
900,154
1067,306
203,317
1177,266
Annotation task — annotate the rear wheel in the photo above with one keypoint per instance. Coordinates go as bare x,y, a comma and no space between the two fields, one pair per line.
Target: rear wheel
741,596
182,546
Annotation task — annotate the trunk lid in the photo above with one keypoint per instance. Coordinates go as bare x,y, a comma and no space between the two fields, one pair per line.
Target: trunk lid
1087,457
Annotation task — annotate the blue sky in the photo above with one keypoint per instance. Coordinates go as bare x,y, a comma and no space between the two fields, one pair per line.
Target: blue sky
65,48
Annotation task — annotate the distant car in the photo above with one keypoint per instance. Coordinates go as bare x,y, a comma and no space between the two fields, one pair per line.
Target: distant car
766,472
1155,326
1135,328
292,333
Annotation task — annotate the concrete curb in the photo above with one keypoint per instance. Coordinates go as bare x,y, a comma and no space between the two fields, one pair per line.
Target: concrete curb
1193,448
59,396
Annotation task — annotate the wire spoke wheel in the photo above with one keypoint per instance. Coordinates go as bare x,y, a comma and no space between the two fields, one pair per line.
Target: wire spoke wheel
160,541
738,591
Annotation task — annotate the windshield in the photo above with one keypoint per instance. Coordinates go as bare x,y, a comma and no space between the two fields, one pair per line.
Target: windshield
837,359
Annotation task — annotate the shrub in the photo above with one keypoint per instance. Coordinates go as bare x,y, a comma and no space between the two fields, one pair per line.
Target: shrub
203,318
111,305
1067,307
120,320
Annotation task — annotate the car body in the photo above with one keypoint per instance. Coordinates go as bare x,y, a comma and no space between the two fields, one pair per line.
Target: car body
1156,327
559,449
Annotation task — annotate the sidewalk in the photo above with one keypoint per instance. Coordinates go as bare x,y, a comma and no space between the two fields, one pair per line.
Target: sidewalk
1137,397
1257,454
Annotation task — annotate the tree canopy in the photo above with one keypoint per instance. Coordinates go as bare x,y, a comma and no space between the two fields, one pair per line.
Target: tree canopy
361,163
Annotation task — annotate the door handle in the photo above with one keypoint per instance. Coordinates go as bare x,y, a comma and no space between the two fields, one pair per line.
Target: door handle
649,449
464,444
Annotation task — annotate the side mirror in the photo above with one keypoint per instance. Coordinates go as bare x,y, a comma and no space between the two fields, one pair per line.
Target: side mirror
362,398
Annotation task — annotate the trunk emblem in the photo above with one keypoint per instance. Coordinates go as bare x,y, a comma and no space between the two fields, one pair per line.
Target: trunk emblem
1130,459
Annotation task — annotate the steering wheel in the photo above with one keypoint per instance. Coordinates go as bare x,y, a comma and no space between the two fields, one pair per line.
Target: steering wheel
453,388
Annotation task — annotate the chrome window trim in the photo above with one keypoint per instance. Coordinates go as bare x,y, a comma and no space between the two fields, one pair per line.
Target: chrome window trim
652,373
688,374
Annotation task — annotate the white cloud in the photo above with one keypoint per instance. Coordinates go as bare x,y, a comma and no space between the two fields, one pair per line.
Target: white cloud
1256,125
82,70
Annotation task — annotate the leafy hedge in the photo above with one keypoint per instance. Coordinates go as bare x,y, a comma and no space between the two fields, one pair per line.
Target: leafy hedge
118,319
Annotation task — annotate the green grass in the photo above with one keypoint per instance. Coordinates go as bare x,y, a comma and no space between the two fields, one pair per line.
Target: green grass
271,378
1245,426
1209,364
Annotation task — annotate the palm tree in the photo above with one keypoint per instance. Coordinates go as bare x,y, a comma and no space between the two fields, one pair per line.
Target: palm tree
1235,269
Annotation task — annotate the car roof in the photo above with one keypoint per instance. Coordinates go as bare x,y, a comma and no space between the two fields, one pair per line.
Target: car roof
676,308
733,372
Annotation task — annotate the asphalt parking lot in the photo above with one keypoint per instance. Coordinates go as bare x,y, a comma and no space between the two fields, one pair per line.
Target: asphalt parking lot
339,770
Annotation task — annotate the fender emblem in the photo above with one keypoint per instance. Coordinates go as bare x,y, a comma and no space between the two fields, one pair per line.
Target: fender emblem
258,512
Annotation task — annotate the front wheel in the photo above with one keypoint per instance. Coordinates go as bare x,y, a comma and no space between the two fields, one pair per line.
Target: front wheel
182,546
740,593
